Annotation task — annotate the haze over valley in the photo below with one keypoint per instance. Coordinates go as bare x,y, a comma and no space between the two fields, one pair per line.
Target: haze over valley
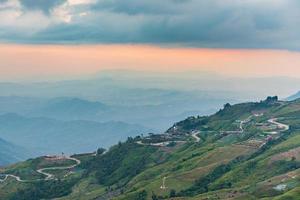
74,116
149,100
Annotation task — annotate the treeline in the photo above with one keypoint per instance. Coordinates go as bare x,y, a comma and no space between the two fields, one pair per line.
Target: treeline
45,190
120,163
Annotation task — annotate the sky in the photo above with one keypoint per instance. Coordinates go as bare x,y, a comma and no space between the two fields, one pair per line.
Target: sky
40,38
42,61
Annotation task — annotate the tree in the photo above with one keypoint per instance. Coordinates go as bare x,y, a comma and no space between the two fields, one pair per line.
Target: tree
227,105
142,195
100,151
271,99
154,196
172,193
119,144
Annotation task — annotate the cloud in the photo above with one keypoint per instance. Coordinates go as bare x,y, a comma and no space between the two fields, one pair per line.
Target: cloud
15,21
199,23
44,5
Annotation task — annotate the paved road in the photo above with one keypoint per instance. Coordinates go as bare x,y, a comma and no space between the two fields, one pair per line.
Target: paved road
283,127
41,171
159,144
244,122
51,176
12,176
194,135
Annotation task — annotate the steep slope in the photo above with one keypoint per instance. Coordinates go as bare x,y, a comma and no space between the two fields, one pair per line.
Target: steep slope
244,151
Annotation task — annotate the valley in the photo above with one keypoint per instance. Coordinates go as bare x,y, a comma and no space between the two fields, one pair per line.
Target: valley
54,124
149,100
244,151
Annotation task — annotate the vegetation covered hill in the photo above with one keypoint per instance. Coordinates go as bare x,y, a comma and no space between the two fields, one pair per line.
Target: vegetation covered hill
244,151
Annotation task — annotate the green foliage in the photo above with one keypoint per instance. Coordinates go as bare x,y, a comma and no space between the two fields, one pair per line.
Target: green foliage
100,151
141,195
121,163
45,190
192,123
218,165
156,197
172,193
201,185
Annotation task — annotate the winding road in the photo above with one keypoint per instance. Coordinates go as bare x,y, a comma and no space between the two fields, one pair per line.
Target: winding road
12,176
41,171
194,135
283,127
51,176
244,122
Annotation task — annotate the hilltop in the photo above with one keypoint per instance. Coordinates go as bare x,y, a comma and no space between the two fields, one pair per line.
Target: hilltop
244,151
294,96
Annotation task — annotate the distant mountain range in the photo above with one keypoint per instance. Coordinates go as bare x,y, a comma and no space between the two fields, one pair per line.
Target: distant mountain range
128,104
165,108
10,153
51,136
244,151
117,87
71,108
72,124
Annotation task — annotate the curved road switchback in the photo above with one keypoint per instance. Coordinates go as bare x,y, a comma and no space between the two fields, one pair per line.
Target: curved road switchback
282,126
194,135
41,171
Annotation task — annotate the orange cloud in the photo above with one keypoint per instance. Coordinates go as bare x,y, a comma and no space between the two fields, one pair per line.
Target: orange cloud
23,61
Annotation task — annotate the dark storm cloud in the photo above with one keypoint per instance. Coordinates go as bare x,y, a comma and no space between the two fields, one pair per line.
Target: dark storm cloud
209,23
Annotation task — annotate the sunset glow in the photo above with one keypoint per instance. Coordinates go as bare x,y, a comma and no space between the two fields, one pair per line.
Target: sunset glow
46,61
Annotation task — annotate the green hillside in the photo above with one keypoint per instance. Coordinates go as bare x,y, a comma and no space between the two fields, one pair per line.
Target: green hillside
244,151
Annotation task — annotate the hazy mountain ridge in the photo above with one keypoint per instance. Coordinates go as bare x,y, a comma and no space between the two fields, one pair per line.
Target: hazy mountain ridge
34,116
46,135
10,153
170,106
70,109
244,151
112,83
294,96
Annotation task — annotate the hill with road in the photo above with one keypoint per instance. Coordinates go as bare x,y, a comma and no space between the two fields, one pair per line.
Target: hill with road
244,151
